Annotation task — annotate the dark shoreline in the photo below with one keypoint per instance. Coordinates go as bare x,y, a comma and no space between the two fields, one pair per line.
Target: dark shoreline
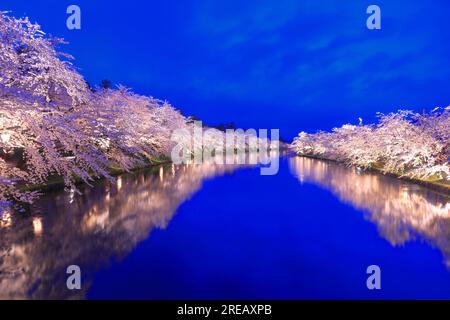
58,183
435,186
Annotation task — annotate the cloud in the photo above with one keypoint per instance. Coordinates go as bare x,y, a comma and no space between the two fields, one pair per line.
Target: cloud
283,50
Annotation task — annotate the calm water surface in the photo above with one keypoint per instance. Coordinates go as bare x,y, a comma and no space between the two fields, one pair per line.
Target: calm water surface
210,231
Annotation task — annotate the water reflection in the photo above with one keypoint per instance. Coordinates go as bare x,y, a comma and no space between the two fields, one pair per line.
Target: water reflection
105,222
402,211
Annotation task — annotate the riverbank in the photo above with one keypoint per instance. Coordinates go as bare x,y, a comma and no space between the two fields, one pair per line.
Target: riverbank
56,183
441,186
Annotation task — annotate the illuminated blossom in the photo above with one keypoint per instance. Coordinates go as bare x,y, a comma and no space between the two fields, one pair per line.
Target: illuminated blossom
404,142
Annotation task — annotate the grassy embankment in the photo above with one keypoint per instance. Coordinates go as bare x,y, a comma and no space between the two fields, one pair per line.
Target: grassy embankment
55,183
432,182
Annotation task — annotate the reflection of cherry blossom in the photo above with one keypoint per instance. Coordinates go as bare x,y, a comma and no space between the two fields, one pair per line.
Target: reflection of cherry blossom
401,210
100,225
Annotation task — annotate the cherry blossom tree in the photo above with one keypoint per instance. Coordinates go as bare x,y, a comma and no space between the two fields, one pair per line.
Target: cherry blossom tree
56,126
129,127
41,104
403,142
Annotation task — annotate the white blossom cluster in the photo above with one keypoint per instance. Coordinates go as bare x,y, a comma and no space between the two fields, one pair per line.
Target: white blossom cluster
59,126
53,124
405,143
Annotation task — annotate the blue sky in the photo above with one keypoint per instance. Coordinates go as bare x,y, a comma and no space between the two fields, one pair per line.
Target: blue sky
293,65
